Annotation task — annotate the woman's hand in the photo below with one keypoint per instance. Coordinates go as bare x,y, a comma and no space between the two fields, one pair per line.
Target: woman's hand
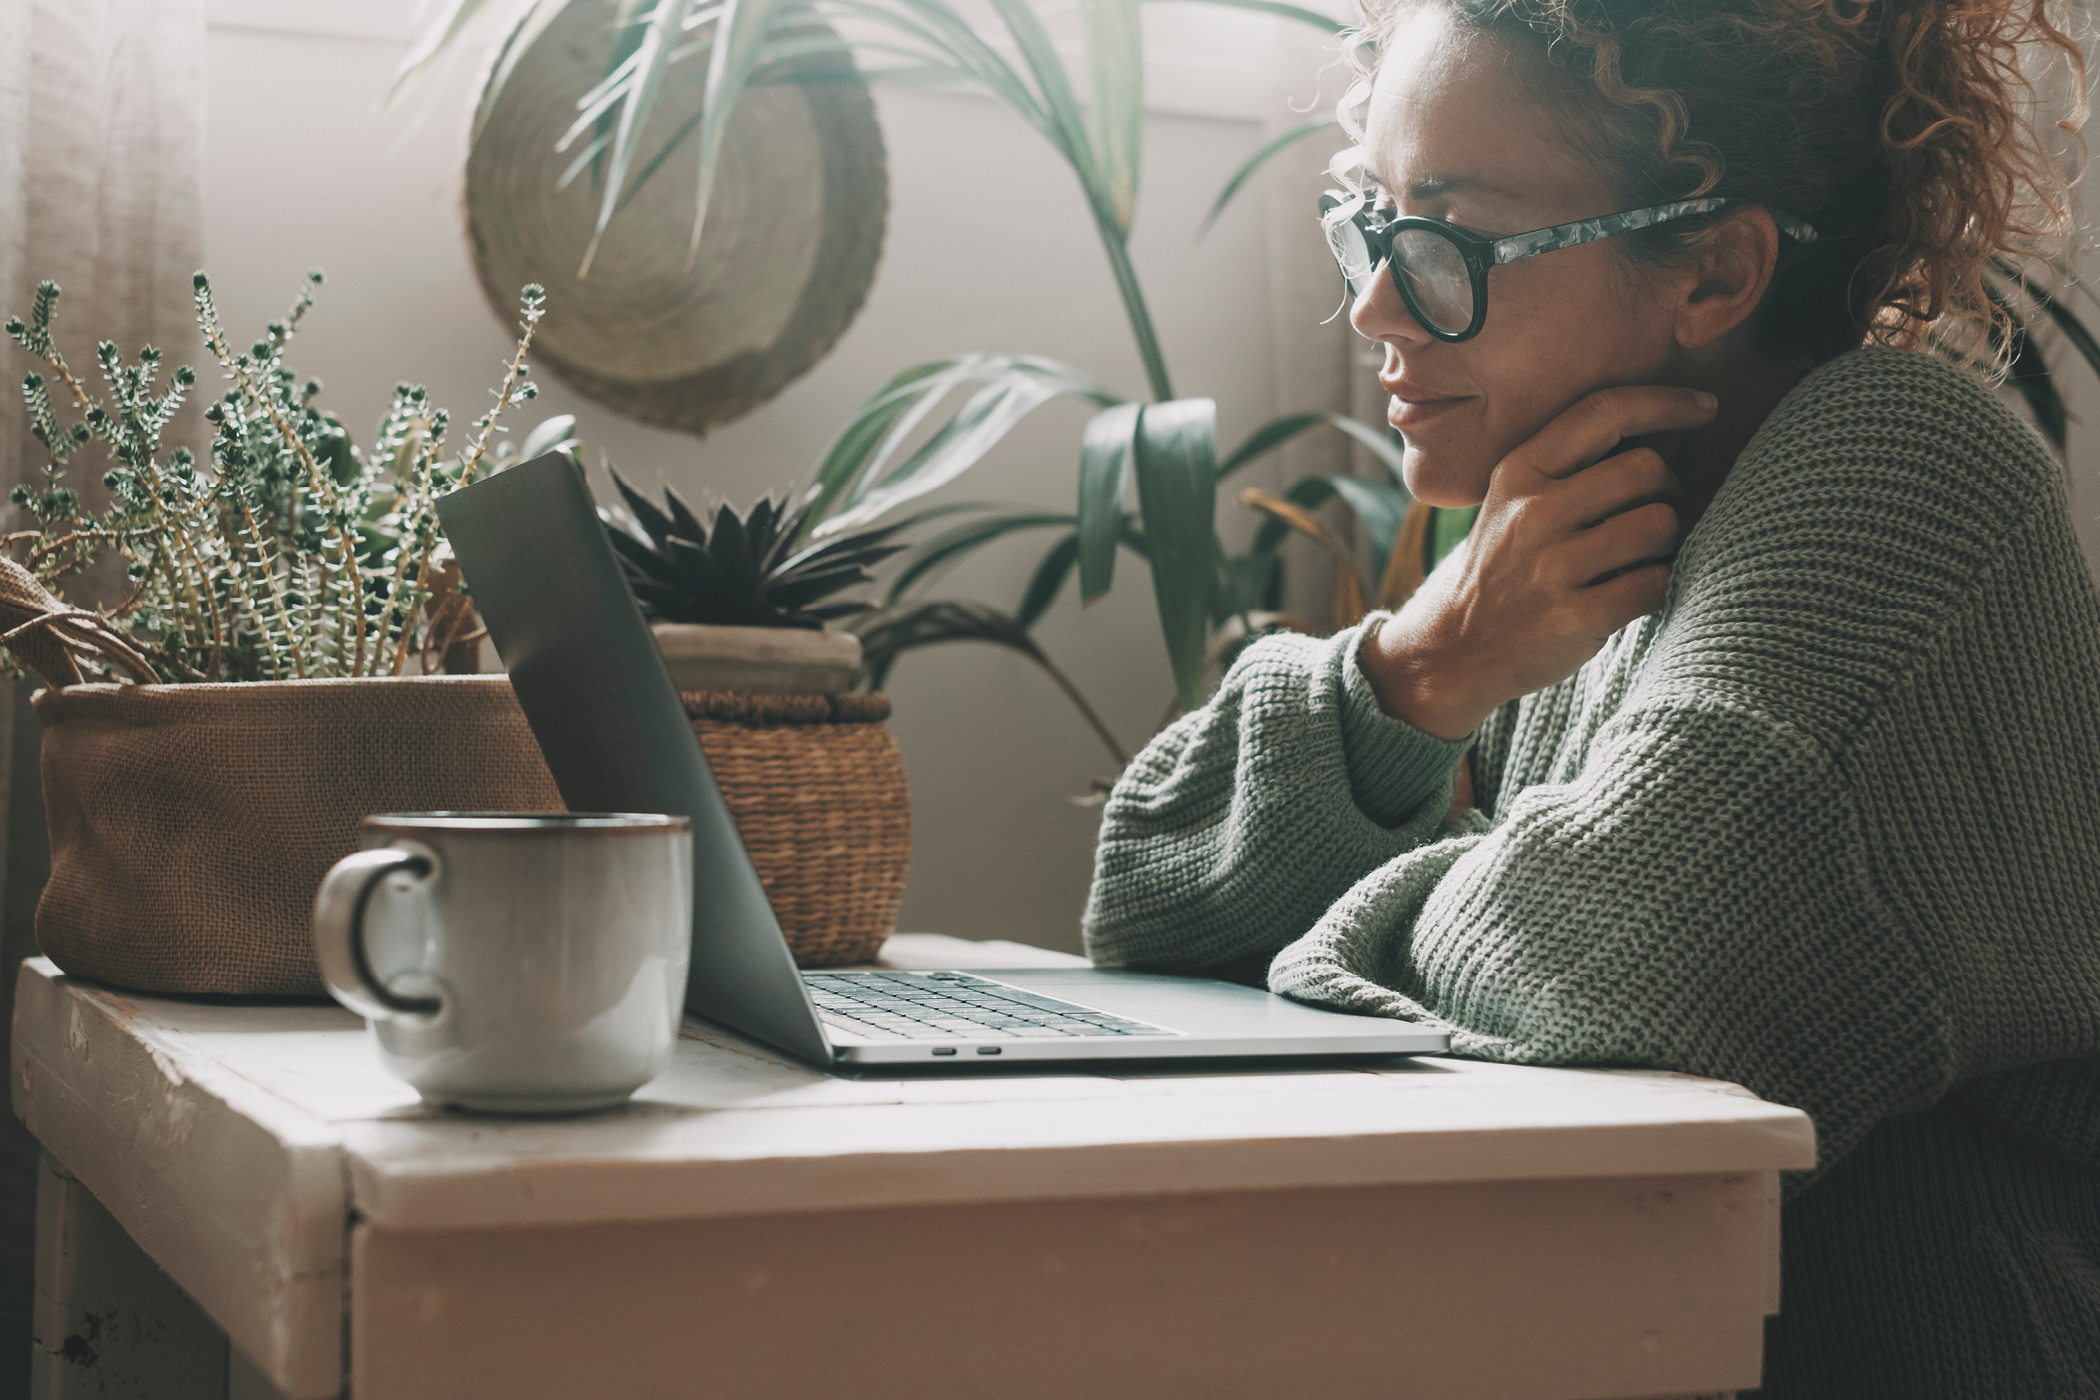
1570,545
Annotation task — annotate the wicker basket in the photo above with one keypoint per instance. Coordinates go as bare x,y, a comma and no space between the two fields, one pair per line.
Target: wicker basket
817,790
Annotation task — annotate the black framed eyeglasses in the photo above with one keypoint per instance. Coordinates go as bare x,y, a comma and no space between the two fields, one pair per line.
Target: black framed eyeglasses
1441,270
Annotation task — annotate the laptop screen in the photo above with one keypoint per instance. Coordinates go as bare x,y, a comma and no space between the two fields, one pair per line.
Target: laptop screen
612,728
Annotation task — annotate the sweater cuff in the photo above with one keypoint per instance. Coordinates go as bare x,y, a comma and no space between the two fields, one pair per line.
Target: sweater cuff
1394,768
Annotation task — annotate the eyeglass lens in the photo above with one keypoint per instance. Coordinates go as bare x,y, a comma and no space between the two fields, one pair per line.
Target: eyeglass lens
1432,268
1435,272
1346,241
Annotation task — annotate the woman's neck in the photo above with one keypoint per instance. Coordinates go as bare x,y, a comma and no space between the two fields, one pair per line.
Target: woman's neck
1749,382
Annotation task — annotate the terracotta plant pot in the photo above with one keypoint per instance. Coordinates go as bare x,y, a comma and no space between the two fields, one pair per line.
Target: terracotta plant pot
758,660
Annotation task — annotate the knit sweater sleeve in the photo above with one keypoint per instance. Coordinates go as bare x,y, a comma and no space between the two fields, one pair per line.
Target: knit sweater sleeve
1695,900
1236,828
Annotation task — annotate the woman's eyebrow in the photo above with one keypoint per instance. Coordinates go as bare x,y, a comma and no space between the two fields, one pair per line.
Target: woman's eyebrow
1437,186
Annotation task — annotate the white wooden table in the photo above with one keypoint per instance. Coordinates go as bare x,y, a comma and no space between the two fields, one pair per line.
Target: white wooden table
752,1227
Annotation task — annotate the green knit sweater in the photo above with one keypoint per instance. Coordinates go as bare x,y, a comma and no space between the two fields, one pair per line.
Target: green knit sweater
1827,826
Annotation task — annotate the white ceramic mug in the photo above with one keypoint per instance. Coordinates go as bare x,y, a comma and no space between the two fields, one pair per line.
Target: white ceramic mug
514,962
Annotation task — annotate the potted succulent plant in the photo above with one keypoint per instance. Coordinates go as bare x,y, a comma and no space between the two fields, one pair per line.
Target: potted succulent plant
808,768
737,604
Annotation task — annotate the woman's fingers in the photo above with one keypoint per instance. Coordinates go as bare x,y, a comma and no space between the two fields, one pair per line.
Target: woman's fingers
1620,599
1592,428
1628,538
1618,482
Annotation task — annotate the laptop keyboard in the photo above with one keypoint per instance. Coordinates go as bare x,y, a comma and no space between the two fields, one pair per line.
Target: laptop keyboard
954,1006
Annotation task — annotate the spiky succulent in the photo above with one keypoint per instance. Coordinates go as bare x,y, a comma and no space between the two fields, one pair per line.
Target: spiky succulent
734,570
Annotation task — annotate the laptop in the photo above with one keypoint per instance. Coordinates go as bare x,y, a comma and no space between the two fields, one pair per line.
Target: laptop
616,738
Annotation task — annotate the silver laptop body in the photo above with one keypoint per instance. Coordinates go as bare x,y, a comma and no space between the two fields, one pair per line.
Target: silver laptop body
616,737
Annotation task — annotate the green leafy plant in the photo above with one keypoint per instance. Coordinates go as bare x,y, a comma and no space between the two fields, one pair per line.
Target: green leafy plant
890,633
910,439
739,570
293,554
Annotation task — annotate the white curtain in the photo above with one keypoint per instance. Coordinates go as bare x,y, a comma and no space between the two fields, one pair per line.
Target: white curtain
101,139
101,147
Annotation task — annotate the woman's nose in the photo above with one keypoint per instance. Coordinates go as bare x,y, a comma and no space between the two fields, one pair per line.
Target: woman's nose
1379,314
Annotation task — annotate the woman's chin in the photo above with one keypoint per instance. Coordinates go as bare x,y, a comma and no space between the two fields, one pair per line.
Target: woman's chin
1434,479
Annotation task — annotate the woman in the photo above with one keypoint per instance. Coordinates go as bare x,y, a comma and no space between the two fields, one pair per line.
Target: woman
1769,679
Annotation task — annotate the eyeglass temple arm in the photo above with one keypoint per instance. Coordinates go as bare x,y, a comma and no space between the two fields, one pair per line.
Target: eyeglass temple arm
1548,240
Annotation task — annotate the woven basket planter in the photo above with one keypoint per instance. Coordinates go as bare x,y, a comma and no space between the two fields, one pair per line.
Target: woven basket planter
817,789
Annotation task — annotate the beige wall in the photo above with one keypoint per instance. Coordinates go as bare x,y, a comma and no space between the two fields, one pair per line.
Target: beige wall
989,248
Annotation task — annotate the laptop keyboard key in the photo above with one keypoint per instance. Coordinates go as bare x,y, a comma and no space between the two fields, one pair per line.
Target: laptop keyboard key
954,1006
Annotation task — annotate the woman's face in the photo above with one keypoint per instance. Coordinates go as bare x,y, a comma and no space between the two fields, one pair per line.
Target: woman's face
1452,135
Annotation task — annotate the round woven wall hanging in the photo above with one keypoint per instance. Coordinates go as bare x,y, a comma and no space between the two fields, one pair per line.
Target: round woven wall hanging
792,238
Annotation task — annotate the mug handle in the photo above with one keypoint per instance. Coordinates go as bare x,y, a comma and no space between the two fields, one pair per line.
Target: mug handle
339,931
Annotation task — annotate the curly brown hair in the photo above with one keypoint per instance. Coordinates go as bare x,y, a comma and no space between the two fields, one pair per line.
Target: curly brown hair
1903,130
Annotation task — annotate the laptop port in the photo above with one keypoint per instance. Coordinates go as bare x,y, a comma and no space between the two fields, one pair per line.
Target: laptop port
987,1049
944,1049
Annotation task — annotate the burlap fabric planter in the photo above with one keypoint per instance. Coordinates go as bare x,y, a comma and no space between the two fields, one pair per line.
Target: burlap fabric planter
191,824
817,789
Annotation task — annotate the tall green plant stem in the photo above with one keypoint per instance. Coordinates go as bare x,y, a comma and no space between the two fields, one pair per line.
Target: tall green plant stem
1118,249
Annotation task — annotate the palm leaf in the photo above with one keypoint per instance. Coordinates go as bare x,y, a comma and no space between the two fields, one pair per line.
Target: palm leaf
2068,322
887,634
738,48
1267,438
933,24
1378,506
1175,463
446,24
1104,466
1116,82
852,452
1277,431
1348,588
1048,580
1255,162
780,61
838,545
521,40
1250,583
1382,443
949,547
792,595
1013,387
1067,127
651,57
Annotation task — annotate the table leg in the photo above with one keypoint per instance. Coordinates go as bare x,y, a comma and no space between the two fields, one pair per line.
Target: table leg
109,1322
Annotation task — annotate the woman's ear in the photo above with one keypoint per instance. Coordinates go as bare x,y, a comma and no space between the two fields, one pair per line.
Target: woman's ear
1735,266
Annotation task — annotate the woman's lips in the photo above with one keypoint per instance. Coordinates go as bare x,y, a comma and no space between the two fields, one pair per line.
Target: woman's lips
1419,412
